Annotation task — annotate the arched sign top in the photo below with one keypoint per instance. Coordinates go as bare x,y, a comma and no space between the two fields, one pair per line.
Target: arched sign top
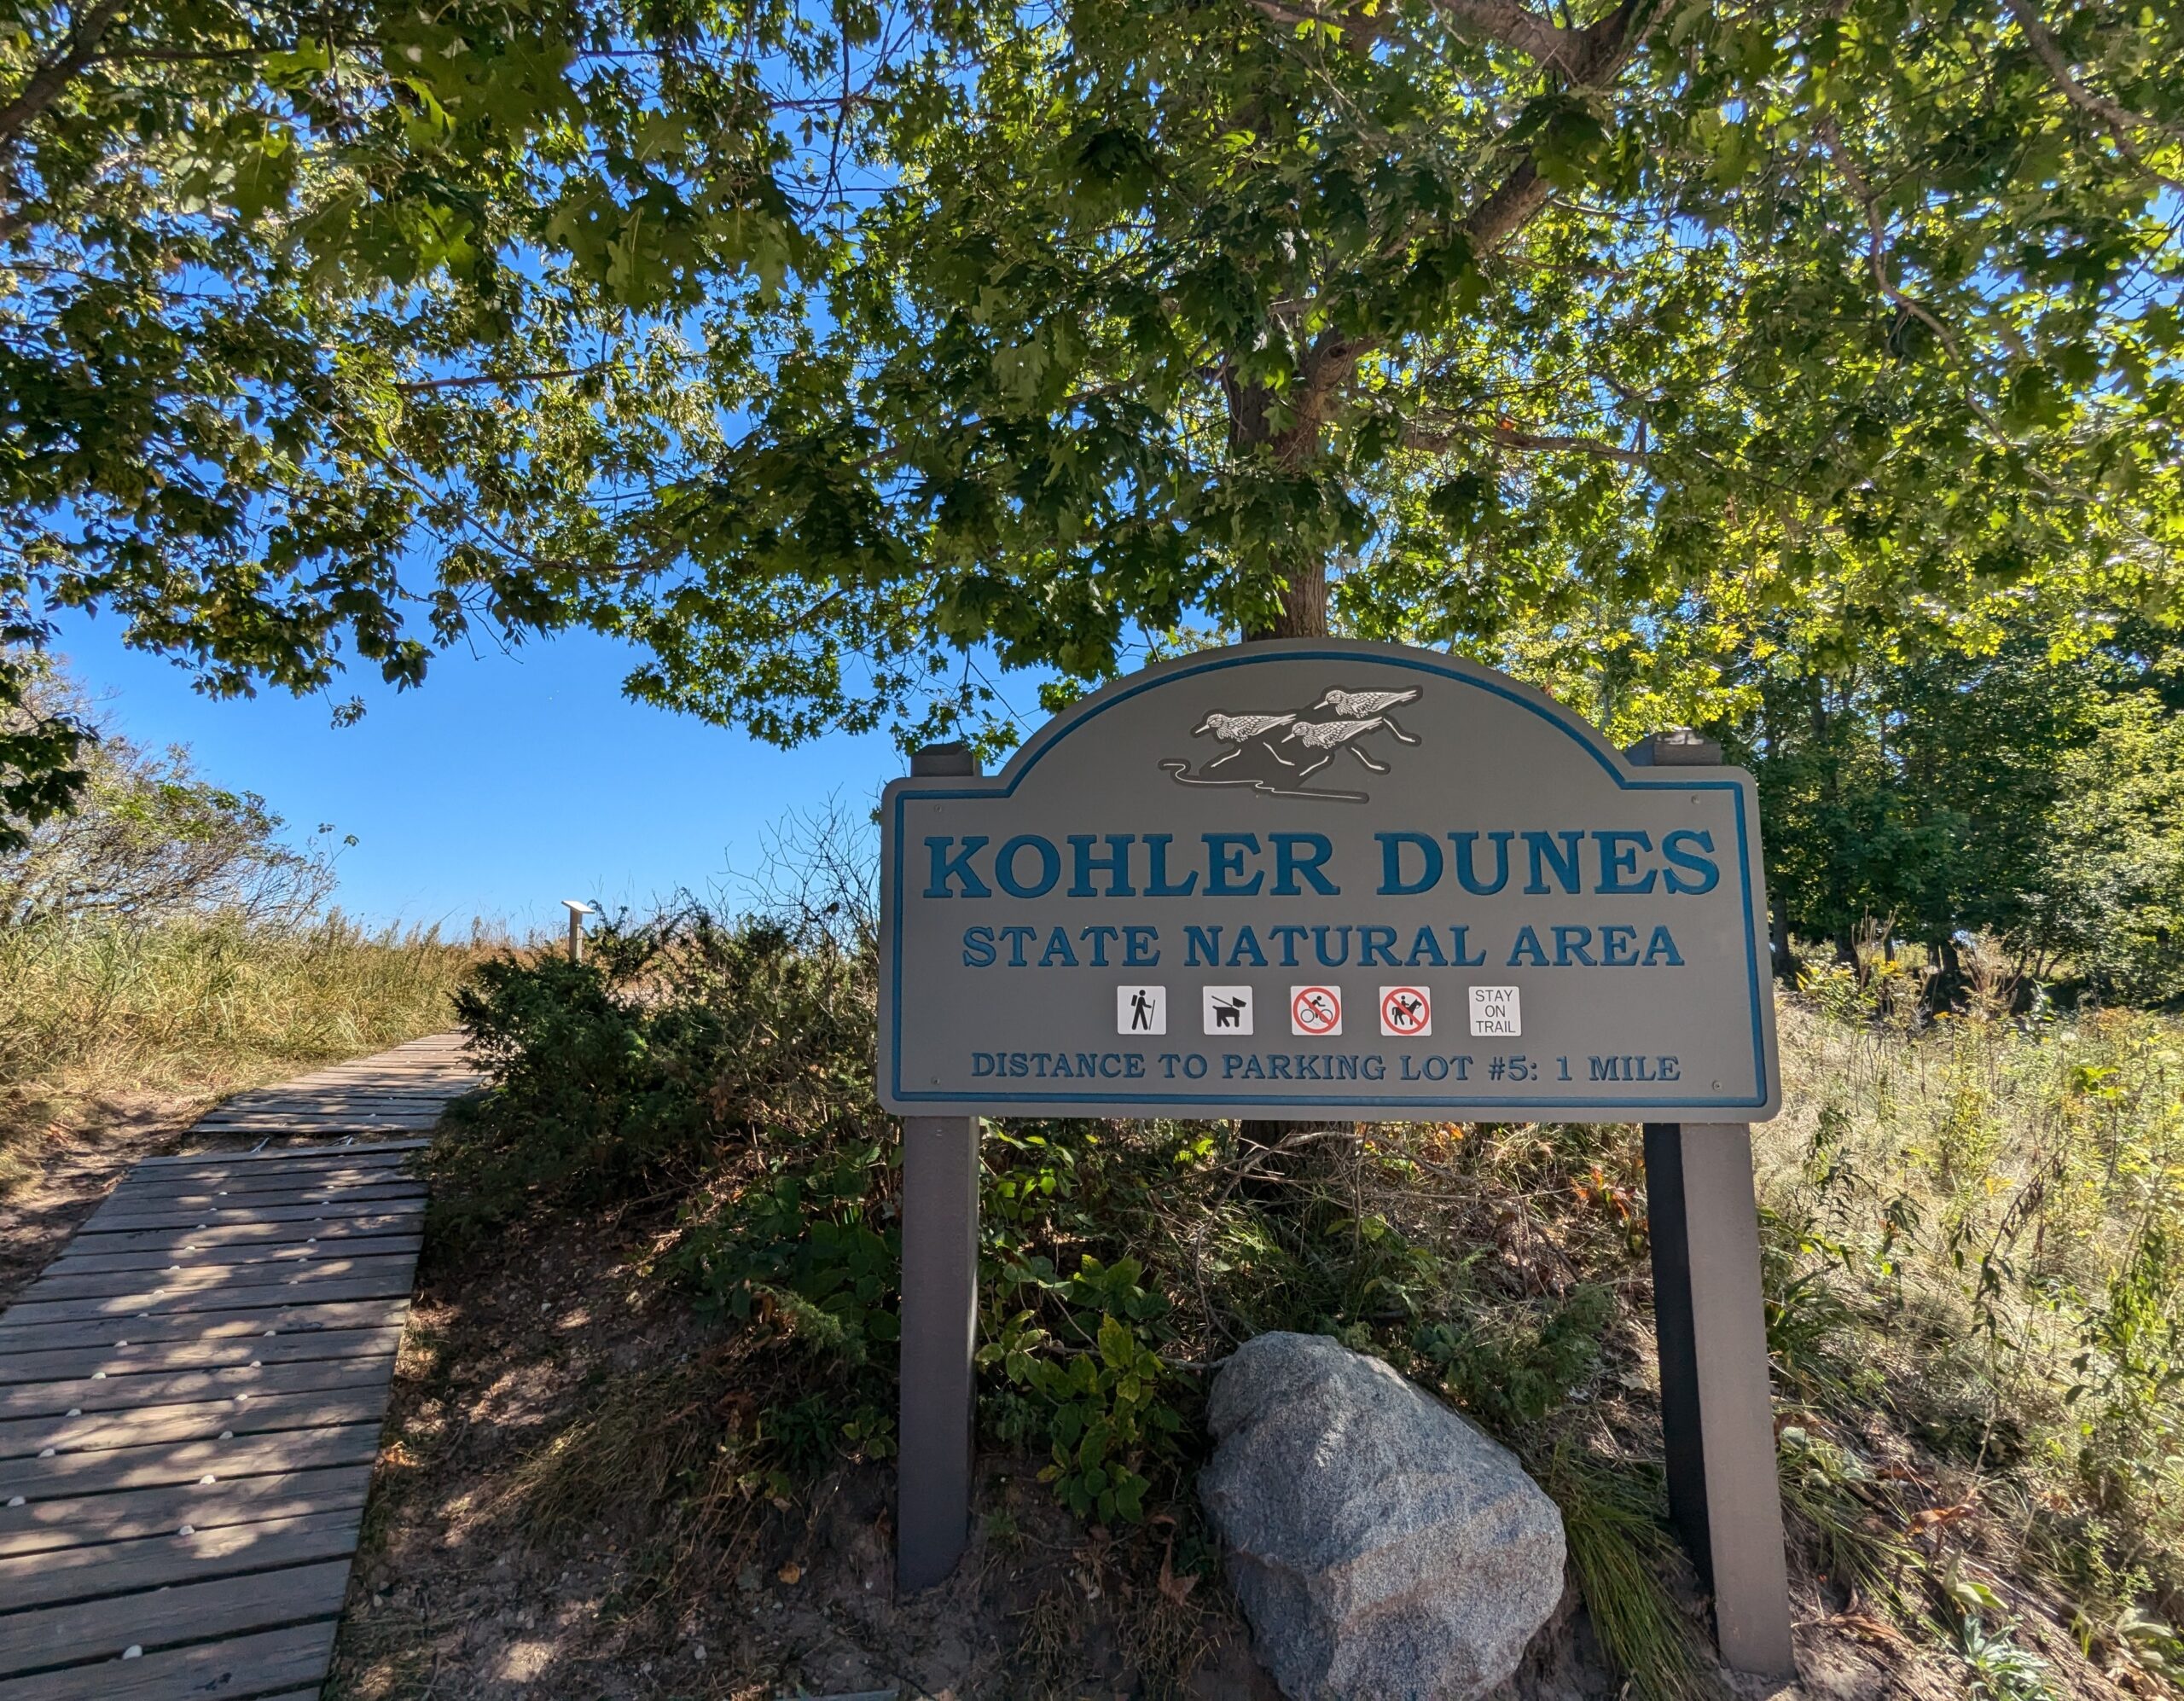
1337,653
1317,876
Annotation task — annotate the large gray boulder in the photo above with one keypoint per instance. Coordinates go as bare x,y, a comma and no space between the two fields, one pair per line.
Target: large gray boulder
1383,1548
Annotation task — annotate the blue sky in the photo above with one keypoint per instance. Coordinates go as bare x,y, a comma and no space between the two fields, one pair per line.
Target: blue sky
508,782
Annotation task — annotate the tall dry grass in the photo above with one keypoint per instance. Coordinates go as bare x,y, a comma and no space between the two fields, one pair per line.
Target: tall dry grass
91,1010
1977,1286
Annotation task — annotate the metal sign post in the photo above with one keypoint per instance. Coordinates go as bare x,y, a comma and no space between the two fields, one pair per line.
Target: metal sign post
1312,878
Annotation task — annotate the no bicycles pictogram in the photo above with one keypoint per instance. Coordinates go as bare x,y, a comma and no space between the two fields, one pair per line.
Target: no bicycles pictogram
1315,1010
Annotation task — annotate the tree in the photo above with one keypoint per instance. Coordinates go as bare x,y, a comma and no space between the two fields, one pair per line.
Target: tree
300,310
149,840
819,352
1452,321
2107,898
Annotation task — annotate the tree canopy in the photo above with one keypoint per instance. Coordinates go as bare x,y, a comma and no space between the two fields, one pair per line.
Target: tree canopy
822,351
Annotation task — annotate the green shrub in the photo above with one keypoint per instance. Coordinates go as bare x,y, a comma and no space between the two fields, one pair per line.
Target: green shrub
677,1042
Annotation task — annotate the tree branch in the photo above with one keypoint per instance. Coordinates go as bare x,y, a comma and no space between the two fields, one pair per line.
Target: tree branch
420,385
1588,58
2119,121
1515,26
48,81
1877,237
1514,203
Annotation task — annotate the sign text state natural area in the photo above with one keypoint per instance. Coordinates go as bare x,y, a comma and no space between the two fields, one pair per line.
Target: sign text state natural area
1316,877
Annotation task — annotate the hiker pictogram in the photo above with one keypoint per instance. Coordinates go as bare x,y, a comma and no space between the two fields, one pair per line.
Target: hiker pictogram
1315,1011
1142,1010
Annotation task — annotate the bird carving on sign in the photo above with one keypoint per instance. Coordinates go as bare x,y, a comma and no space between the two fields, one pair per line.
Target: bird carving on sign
1277,752
1356,705
1324,738
1237,730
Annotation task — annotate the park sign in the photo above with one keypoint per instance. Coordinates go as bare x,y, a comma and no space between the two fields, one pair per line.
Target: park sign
1312,878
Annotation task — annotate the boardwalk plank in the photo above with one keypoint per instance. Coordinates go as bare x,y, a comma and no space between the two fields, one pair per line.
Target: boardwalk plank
247,1234
245,1255
238,1168
120,1393
194,1421
155,1217
70,1363
156,1561
358,1149
264,1321
290,1192
172,1464
159,1618
210,1299
37,1526
244,1668
207,1301
141,1288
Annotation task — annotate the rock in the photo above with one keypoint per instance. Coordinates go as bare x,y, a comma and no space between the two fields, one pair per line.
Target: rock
1382,1547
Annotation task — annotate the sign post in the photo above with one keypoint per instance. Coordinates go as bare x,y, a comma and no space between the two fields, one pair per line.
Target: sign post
1717,1413
935,1429
1314,878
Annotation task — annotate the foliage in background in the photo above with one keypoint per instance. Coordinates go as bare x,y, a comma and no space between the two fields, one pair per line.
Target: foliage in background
820,348
294,301
147,840
39,751
2032,787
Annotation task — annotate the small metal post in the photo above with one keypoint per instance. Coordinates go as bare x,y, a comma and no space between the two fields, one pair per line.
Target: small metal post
935,1432
577,909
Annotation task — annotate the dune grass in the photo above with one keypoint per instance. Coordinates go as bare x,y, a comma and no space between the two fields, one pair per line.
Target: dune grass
194,1009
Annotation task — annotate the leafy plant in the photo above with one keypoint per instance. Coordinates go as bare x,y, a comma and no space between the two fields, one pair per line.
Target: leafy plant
1515,1365
1102,1407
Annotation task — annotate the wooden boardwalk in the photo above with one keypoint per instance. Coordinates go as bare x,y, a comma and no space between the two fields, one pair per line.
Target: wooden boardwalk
190,1399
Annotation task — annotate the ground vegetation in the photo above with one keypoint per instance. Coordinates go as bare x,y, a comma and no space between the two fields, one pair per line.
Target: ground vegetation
1972,1294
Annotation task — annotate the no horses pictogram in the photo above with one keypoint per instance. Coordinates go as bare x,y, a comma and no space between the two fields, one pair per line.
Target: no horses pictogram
1406,1011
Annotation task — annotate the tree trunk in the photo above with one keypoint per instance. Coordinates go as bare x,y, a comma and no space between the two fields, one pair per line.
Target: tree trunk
1778,936
1304,605
1303,614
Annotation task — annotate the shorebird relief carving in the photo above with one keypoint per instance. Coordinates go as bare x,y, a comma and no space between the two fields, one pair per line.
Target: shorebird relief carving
1280,753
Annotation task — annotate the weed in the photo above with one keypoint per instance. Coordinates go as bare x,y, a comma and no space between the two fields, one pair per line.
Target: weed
1047,1646
199,1005
2001,1669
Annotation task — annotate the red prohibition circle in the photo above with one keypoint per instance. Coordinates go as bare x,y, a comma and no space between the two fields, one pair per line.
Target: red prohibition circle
1309,1018
1390,1020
